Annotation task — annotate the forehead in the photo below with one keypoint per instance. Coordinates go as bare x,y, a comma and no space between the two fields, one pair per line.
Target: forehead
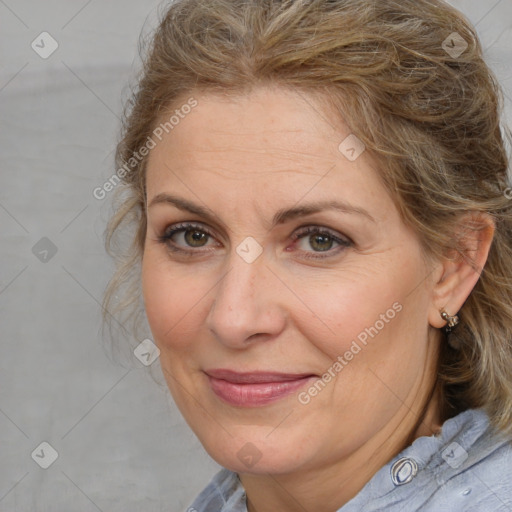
270,141
273,118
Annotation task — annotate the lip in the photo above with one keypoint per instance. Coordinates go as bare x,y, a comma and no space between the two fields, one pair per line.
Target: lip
253,389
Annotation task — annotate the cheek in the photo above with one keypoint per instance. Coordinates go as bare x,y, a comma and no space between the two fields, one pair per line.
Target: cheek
172,301
368,334
345,307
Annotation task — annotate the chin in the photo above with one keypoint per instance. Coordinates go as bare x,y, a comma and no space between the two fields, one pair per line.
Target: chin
257,453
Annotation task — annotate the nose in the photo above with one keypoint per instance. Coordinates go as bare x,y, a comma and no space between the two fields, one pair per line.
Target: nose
247,304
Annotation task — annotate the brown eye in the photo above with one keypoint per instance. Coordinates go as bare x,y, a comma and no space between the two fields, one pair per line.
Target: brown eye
315,240
186,238
195,238
321,242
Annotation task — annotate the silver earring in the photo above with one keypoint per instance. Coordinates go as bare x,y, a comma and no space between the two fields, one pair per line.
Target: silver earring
452,321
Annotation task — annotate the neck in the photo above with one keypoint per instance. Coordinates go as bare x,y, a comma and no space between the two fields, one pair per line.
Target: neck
328,488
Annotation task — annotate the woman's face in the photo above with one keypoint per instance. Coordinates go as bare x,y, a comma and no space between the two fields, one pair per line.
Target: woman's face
288,299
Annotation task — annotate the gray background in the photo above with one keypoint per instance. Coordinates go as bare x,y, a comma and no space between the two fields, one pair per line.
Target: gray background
122,445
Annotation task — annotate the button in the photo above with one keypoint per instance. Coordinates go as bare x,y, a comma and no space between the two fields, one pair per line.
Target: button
403,471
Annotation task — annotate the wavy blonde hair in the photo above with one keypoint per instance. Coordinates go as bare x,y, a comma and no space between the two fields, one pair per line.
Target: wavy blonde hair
429,117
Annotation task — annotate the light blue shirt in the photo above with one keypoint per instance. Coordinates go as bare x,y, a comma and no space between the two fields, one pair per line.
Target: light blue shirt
465,468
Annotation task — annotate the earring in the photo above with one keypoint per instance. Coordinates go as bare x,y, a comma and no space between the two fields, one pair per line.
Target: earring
452,321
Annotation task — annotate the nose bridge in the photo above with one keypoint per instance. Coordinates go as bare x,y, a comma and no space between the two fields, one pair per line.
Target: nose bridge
243,304
239,281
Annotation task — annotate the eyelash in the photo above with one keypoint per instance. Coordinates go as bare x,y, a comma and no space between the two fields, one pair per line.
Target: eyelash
166,239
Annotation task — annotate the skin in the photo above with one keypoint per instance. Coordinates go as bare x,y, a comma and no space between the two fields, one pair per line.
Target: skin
244,158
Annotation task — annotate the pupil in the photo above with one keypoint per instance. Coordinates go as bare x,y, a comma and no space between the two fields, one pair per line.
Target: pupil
321,242
195,238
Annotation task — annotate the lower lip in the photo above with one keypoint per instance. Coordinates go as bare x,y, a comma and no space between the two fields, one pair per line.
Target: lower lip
257,394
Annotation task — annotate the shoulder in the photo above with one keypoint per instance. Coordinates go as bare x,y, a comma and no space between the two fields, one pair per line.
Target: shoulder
467,468
474,474
224,493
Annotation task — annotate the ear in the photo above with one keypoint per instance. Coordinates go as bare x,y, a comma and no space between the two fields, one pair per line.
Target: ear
460,270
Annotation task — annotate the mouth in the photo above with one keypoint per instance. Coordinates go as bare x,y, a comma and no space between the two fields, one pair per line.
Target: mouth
253,389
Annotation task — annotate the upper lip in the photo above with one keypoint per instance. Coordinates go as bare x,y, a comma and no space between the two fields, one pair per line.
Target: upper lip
255,377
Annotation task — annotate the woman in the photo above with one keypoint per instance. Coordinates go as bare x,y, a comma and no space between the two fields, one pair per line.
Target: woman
318,190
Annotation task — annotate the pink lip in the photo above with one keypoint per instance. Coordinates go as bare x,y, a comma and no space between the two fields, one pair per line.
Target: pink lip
255,388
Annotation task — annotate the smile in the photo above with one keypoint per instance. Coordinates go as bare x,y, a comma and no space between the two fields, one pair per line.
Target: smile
256,388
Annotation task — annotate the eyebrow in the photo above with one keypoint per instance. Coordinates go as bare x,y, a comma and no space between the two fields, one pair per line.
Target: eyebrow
281,216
